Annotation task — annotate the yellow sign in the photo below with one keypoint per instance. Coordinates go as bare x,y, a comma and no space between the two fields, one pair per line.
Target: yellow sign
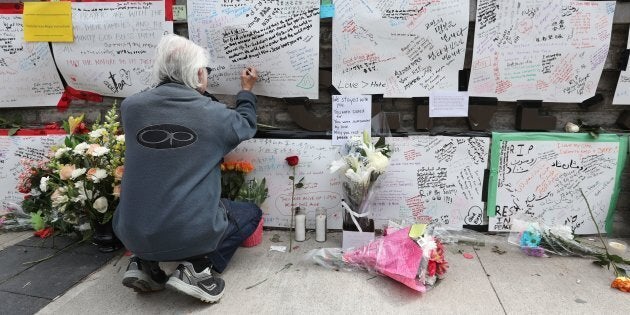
47,22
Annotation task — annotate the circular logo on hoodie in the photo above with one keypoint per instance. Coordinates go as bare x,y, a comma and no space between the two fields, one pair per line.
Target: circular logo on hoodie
166,136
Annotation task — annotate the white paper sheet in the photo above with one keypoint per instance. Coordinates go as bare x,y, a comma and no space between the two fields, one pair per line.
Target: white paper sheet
280,38
622,91
27,70
448,104
114,46
398,48
548,50
351,116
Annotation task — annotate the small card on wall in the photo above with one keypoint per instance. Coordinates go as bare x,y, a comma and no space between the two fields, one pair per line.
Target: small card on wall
448,104
48,22
352,114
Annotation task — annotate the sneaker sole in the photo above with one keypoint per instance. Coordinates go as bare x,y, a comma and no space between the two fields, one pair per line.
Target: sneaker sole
136,280
194,291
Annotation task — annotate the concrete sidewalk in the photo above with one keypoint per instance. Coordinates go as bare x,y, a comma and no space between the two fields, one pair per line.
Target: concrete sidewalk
490,283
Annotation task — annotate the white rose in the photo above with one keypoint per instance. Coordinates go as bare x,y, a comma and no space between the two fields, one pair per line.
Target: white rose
61,151
78,172
120,138
100,204
378,161
43,183
571,127
97,133
98,175
100,151
80,148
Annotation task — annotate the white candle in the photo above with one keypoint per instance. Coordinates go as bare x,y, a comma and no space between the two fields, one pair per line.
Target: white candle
320,228
300,227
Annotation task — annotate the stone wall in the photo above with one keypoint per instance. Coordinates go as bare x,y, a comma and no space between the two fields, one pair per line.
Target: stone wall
276,112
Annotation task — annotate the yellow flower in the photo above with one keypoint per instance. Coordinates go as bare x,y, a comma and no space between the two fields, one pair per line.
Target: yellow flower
621,283
73,122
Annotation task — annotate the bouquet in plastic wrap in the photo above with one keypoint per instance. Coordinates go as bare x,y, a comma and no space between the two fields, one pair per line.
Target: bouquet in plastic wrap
362,164
417,263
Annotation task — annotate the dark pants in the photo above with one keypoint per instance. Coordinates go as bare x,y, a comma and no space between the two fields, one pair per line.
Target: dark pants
243,219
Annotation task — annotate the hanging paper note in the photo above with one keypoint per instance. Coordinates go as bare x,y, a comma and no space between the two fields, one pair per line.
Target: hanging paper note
27,70
327,9
448,104
622,92
47,22
279,38
114,46
398,48
351,116
547,50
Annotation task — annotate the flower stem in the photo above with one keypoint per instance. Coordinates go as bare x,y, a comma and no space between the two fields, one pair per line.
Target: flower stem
292,211
599,234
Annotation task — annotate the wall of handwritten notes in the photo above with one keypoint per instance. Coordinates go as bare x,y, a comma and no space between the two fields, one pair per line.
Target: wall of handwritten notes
113,48
12,150
435,179
398,48
539,177
27,70
548,50
280,38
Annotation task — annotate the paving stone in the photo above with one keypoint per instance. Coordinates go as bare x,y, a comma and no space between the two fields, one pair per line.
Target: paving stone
18,304
54,276
13,257
57,242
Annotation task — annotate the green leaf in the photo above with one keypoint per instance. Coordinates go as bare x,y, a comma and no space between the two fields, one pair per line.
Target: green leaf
13,131
299,185
380,143
291,177
37,221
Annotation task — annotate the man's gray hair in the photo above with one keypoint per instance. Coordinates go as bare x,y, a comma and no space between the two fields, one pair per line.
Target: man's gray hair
178,59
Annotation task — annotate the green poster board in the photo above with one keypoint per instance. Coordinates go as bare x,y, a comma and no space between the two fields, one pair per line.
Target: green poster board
538,176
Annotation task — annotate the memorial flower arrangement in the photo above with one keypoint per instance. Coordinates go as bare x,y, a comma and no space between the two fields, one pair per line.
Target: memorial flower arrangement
79,184
417,262
362,164
234,186
538,240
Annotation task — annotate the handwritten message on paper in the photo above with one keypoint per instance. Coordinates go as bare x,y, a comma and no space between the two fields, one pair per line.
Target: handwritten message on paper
541,180
12,150
114,46
399,48
321,189
549,50
351,116
448,104
278,37
622,92
434,179
27,70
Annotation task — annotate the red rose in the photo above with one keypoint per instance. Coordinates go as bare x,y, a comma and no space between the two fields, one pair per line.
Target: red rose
293,160
81,129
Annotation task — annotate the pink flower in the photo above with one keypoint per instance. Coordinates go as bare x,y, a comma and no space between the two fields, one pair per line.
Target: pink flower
118,172
66,171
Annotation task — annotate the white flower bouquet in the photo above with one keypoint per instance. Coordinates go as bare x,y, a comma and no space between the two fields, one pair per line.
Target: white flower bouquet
80,182
362,164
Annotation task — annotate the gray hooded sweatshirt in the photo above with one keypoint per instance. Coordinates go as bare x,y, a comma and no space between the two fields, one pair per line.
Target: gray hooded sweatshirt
170,196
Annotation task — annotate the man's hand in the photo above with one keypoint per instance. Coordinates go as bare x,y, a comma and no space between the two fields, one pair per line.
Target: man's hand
248,78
